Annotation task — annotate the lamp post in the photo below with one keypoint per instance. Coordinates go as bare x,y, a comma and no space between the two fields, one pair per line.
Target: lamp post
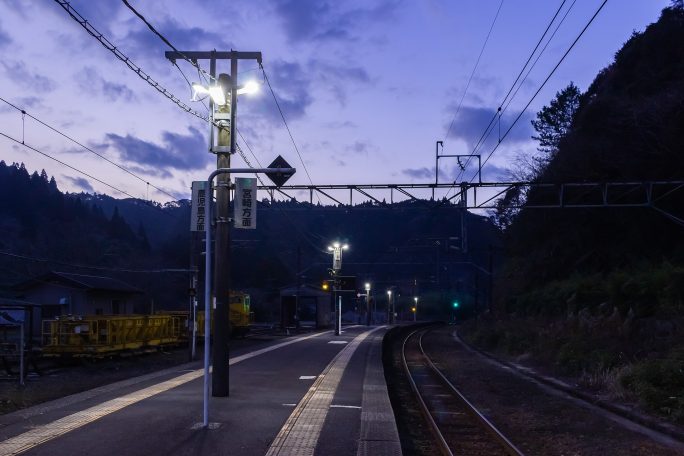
390,313
336,250
415,307
368,309
223,92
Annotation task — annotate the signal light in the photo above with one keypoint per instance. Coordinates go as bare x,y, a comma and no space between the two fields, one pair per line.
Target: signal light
455,304
413,309
325,286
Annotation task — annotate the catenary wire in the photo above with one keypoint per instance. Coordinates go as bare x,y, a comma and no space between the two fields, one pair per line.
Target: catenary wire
472,73
282,116
121,167
522,82
239,149
66,164
544,83
165,40
81,172
126,60
99,268
490,126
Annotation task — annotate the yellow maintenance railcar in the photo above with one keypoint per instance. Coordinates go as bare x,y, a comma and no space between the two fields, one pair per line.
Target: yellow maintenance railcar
106,334
99,335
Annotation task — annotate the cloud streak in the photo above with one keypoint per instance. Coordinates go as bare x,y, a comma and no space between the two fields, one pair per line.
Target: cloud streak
80,183
176,151
90,81
19,73
306,20
470,124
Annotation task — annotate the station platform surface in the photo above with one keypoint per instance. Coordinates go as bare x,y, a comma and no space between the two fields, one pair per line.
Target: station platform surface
315,394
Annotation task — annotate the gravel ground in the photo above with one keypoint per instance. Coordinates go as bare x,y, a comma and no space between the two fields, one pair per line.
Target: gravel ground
537,421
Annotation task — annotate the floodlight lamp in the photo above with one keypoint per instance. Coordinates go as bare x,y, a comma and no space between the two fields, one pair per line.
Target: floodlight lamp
217,94
198,89
336,245
250,87
368,286
389,292
415,298
330,247
345,247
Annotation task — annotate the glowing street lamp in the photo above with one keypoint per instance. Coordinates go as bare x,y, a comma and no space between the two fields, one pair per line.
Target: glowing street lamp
390,313
415,307
336,250
217,92
367,287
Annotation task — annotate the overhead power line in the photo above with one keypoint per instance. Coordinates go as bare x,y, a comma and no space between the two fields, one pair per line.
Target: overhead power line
201,73
125,59
472,73
543,84
121,167
66,164
499,111
529,70
165,40
23,143
98,268
289,132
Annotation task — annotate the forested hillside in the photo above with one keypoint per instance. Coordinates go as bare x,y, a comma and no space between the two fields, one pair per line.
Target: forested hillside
413,246
598,293
628,127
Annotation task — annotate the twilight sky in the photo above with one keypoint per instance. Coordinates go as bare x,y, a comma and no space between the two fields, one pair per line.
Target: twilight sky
367,87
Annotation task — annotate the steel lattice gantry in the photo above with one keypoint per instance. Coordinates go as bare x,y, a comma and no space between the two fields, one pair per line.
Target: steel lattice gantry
485,195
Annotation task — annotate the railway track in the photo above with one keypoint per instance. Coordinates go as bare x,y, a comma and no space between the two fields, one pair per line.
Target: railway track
458,427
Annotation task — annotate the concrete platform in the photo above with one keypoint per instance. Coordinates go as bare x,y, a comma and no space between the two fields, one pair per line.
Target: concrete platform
317,394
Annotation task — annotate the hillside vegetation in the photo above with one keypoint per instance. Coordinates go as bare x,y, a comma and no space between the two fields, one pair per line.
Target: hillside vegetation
598,293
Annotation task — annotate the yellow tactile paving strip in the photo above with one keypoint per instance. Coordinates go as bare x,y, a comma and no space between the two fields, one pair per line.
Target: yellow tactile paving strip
299,435
41,434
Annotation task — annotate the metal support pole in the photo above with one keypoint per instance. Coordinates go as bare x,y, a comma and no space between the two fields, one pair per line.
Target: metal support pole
193,354
207,266
335,313
221,377
394,309
21,353
368,309
207,296
339,317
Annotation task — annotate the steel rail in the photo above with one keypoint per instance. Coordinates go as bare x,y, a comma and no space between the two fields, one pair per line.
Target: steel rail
488,425
444,446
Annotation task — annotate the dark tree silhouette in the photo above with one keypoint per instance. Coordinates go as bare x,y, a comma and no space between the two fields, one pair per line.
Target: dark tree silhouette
554,121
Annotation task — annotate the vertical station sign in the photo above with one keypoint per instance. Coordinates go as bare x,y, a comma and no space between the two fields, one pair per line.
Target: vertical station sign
245,203
197,210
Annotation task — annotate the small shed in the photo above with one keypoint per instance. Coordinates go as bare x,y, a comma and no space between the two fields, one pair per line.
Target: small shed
305,305
62,293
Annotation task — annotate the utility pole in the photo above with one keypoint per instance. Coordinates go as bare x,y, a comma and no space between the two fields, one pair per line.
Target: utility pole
225,146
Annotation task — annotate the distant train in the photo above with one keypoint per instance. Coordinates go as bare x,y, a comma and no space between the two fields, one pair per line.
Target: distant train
101,335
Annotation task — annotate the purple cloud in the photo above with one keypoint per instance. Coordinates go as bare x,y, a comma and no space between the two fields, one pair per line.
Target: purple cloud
81,183
90,81
177,151
19,73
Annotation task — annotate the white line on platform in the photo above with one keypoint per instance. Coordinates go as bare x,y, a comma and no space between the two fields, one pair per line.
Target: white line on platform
338,342
307,377
300,433
346,406
41,434
289,405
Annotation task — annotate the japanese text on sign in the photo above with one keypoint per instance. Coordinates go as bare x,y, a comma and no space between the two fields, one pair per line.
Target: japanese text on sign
245,203
197,211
